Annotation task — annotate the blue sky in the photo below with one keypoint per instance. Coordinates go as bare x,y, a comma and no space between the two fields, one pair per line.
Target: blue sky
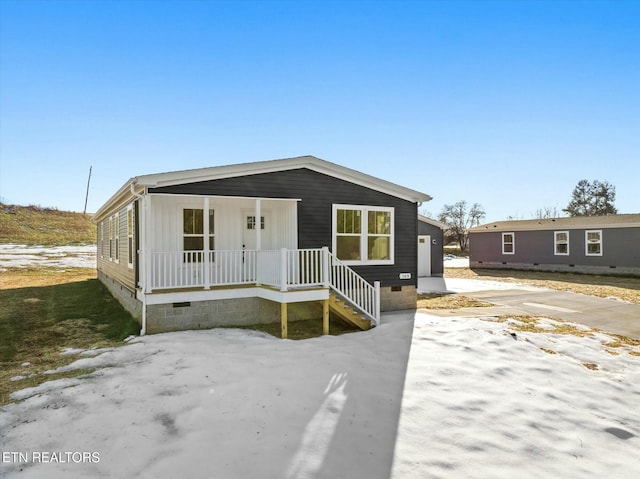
505,103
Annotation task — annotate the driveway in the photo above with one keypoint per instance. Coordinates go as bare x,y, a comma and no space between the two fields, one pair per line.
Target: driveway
610,315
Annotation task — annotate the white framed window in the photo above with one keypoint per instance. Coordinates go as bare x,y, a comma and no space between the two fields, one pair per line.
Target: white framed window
111,238
363,234
116,237
193,232
561,243
508,243
130,245
593,242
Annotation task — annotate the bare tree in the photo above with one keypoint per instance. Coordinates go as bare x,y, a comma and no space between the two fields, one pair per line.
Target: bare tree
459,218
546,212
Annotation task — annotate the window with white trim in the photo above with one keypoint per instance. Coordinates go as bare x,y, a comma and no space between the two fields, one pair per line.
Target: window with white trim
193,234
100,238
130,245
111,242
593,242
561,243
363,234
508,243
116,237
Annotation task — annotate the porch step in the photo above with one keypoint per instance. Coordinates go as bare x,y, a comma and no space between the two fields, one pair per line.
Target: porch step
340,307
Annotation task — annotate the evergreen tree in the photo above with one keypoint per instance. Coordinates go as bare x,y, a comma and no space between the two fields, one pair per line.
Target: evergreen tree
592,199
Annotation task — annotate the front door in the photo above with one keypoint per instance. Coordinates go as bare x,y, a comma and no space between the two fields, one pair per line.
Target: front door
424,256
250,226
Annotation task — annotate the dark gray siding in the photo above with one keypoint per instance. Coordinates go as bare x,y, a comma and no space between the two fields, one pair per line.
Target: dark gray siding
437,251
619,248
318,193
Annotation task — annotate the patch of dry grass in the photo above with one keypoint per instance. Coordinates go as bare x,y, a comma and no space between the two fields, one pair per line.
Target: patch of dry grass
44,226
624,288
448,301
530,324
42,312
38,277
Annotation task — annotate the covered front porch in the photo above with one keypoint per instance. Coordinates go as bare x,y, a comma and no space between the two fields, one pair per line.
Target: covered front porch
206,248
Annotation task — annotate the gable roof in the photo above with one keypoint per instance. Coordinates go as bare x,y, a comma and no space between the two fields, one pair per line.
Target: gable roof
140,183
574,222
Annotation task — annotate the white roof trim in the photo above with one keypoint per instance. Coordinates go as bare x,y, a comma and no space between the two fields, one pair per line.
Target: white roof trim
309,162
431,221
171,178
564,223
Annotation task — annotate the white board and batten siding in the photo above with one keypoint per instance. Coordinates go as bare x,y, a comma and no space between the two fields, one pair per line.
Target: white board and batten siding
230,222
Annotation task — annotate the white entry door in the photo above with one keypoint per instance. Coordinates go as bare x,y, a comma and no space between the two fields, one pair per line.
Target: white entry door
424,256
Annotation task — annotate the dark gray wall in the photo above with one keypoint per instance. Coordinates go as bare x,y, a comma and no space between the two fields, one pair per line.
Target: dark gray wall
318,193
437,251
620,248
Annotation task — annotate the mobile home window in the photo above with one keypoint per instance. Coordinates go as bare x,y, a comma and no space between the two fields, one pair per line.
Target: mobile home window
193,234
508,243
363,234
130,245
116,237
561,242
593,242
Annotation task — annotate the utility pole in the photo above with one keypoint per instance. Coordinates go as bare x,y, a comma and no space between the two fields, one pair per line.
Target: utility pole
86,198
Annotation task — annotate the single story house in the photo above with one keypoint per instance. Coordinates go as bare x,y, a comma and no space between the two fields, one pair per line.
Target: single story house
259,242
430,247
583,244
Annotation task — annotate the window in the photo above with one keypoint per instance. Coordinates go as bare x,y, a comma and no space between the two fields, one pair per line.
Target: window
130,244
561,242
508,243
100,237
114,252
363,234
193,235
114,238
251,222
593,242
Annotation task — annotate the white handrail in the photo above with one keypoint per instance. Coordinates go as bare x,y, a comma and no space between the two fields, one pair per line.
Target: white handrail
357,290
282,269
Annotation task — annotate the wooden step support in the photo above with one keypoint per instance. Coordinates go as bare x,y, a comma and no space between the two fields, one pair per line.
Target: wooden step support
340,307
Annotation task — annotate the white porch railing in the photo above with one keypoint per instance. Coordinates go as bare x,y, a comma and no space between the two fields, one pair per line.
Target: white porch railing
358,291
283,269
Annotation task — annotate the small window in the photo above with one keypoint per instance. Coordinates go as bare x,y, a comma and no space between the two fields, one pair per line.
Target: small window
251,222
561,243
593,242
508,243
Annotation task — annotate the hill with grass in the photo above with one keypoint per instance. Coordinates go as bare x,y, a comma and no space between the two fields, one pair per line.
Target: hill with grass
44,226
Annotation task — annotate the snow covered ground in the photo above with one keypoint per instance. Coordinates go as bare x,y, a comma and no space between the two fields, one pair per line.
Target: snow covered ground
418,397
24,256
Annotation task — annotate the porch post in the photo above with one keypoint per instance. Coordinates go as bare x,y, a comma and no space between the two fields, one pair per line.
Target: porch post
283,269
205,251
325,267
283,320
147,256
376,286
258,224
325,316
